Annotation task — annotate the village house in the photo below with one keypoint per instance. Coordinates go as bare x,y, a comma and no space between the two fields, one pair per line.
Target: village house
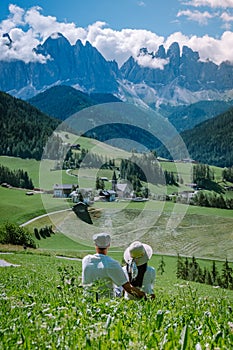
187,195
107,195
63,190
123,190
86,194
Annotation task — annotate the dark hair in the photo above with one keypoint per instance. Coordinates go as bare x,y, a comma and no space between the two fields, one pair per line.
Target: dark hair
137,282
101,250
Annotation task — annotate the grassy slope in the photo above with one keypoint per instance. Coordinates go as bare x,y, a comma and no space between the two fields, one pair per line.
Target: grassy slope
49,312
199,233
17,207
202,231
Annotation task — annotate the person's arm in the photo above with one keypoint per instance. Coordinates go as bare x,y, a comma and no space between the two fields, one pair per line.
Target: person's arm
148,282
134,290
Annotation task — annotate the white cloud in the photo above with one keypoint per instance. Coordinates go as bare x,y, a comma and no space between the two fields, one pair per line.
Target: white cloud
197,16
216,50
15,19
211,3
148,61
120,45
29,28
226,17
45,25
141,3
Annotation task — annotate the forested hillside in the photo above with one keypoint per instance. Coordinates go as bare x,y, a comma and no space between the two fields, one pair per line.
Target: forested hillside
24,129
186,117
210,142
62,101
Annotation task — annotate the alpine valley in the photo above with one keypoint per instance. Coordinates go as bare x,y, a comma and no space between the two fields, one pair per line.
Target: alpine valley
185,91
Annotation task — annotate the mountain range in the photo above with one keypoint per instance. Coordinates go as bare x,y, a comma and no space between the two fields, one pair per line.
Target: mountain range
183,78
184,92
62,101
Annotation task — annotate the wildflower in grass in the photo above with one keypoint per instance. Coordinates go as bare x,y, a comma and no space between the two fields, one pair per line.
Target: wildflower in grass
50,315
230,324
207,313
198,346
108,322
45,310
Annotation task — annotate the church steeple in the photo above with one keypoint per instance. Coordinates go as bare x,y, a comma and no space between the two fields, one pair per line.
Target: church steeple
114,181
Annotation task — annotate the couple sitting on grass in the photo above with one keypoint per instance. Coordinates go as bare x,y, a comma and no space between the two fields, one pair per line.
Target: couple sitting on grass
135,280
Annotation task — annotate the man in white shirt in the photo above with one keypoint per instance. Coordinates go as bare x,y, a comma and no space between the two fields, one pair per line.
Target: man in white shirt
106,273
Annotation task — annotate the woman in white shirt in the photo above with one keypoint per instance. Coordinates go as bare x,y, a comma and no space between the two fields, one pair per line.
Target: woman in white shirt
137,271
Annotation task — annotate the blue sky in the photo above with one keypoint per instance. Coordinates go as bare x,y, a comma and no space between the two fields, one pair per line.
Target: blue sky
162,17
119,28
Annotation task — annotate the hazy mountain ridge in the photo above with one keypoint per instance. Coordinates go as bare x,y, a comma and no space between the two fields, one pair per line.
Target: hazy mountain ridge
62,101
25,131
186,117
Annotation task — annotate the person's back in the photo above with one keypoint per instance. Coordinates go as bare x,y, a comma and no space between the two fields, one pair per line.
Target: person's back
103,272
100,267
144,282
137,271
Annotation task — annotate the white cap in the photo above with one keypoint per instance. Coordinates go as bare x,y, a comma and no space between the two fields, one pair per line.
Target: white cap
102,240
139,252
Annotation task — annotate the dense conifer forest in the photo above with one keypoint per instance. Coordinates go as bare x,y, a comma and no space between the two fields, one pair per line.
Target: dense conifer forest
62,101
190,270
211,142
15,178
24,129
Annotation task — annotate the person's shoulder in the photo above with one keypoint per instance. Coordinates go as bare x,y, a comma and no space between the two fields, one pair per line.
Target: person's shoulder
111,261
150,268
87,257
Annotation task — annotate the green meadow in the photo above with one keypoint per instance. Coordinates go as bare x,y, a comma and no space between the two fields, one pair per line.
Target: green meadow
170,228
18,208
43,305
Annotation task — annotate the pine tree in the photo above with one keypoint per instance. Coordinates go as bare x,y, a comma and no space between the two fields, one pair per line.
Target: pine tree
161,267
227,277
114,181
214,273
180,268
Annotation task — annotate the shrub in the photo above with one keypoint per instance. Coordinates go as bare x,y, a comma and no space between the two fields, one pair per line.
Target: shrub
14,234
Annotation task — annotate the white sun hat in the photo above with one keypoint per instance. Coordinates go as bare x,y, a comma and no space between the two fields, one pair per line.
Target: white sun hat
139,252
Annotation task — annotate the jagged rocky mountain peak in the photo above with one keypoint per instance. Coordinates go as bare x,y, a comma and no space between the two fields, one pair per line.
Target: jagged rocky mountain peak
161,53
190,54
166,76
173,50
